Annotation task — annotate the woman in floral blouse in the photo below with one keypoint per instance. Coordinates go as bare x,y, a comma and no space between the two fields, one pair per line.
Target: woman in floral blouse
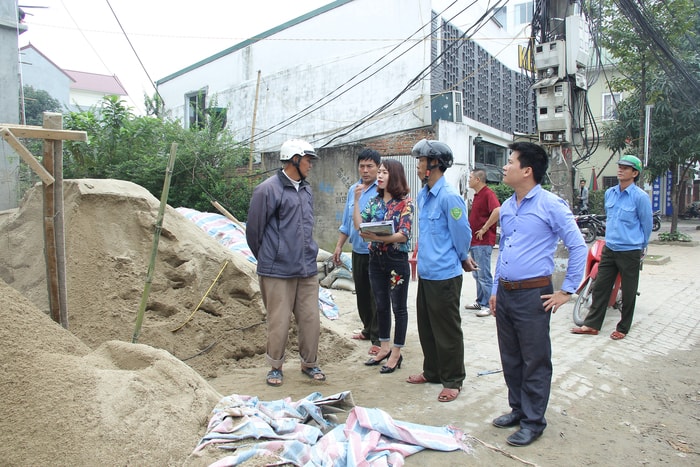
389,269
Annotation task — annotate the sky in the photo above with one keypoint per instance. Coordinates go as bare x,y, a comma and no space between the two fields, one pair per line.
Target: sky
164,36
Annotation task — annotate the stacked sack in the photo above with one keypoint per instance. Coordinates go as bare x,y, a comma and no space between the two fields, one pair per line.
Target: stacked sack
332,276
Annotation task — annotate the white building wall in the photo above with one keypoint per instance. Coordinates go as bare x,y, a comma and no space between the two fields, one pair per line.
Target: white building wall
41,74
500,41
84,99
353,58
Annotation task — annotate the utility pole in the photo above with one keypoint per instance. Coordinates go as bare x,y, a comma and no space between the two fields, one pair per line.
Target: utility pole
560,58
10,26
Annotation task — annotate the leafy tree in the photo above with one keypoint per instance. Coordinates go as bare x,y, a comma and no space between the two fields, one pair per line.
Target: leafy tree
137,148
36,102
502,191
635,55
154,105
649,78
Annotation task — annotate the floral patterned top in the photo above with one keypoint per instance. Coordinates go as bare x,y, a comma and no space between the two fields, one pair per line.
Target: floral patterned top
398,210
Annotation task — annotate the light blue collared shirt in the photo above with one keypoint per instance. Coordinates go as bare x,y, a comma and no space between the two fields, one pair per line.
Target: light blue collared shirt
444,234
629,218
347,226
529,236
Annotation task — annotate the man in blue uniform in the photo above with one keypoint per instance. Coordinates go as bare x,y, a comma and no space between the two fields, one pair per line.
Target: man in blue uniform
629,223
444,237
367,165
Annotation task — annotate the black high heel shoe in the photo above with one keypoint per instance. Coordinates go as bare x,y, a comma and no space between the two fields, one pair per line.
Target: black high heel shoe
372,361
388,369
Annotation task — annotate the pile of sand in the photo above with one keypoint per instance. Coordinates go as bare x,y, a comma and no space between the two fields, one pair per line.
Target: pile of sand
63,404
86,395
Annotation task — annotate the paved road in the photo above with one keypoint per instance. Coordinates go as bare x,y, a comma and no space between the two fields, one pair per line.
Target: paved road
666,319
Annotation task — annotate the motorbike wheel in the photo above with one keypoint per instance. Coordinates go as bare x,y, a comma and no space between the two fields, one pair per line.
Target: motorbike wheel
583,302
588,231
656,226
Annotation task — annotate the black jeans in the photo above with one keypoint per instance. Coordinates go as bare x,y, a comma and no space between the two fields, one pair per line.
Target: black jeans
389,274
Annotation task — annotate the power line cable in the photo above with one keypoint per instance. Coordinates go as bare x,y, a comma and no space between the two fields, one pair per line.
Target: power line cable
126,36
311,108
423,73
666,58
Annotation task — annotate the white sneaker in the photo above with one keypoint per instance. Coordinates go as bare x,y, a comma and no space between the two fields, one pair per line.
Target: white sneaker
483,312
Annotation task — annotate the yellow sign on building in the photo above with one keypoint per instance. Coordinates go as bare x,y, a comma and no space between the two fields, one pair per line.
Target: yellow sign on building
525,58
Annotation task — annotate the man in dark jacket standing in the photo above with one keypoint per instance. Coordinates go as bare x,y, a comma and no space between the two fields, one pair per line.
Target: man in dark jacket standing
279,232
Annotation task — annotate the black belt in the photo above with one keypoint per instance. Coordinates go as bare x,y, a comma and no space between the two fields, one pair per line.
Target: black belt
534,283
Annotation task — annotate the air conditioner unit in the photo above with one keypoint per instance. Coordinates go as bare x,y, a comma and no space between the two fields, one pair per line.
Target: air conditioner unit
447,106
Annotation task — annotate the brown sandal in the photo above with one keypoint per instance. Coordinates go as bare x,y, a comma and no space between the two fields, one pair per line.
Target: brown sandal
448,394
417,379
617,335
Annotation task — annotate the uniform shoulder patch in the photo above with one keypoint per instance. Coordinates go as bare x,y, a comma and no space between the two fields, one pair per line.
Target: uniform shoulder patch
456,213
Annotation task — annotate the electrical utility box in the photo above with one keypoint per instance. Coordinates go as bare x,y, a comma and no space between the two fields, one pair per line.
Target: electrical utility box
447,106
554,114
578,45
550,60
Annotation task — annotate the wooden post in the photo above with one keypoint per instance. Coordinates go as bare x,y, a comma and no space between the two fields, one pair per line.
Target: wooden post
54,239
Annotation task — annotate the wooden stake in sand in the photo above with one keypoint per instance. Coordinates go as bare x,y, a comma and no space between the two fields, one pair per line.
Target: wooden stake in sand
156,238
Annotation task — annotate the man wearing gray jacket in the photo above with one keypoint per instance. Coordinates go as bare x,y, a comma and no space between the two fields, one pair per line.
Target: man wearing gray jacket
279,232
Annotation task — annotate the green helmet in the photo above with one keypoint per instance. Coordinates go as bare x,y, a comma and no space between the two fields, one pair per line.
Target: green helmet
632,161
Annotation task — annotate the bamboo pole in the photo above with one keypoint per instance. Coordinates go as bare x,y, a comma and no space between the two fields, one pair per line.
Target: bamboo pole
252,128
156,238
227,214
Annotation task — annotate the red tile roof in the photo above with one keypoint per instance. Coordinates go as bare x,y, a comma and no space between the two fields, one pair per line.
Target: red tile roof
95,82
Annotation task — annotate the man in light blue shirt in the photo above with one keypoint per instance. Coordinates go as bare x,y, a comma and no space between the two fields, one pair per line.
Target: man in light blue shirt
367,165
533,221
444,237
628,228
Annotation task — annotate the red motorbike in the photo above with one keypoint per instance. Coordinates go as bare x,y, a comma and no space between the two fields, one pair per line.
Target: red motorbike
585,296
585,291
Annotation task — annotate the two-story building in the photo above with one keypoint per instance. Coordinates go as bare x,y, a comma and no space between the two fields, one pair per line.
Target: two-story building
75,90
363,73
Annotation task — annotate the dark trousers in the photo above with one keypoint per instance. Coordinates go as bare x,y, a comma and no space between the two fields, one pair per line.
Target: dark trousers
364,297
440,331
526,352
611,263
389,273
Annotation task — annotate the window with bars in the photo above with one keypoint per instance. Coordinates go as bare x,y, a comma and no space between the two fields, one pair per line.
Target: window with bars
196,107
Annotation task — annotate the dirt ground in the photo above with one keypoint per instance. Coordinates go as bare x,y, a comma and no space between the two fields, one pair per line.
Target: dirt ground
87,396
